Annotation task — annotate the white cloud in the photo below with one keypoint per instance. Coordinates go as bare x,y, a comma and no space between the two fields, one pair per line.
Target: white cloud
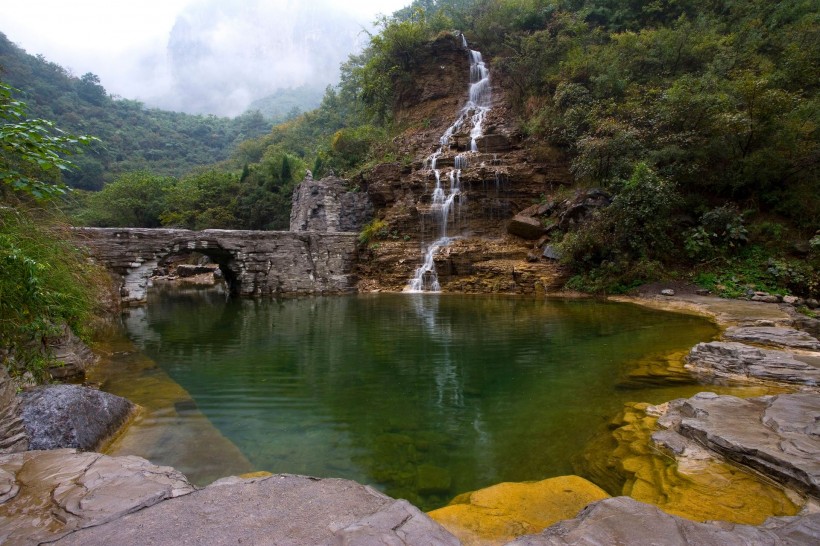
125,42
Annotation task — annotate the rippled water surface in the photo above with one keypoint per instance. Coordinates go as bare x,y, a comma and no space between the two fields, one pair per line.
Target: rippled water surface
422,396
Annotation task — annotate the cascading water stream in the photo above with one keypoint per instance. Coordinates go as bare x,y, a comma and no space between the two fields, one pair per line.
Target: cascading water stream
442,202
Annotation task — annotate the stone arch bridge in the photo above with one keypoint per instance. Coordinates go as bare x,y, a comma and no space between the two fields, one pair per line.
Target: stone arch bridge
254,263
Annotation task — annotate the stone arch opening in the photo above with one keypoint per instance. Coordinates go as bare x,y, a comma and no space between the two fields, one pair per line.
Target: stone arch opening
222,258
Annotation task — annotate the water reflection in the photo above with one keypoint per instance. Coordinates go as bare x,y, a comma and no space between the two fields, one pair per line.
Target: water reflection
424,396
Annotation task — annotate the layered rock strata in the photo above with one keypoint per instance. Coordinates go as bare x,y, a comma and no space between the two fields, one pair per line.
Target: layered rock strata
13,437
734,360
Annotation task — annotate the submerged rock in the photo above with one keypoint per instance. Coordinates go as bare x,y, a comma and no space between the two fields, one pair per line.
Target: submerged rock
46,494
281,509
682,478
499,513
57,416
625,521
777,436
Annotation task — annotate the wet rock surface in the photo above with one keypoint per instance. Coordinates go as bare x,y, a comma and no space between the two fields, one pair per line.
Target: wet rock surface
625,521
281,509
777,436
46,494
58,416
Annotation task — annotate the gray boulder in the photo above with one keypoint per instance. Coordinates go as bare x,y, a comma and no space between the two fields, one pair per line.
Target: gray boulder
281,509
525,227
627,522
57,416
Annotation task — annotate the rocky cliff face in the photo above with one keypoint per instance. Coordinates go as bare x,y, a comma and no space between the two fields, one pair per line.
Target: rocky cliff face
506,175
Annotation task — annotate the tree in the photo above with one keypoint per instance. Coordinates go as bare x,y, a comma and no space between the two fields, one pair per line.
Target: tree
32,151
133,200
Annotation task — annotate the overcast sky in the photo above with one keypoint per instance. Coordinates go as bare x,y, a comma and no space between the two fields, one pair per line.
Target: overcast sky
114,39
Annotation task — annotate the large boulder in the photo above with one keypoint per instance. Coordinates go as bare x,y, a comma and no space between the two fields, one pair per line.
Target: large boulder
627,522
58,416
525,227
46,494
281,509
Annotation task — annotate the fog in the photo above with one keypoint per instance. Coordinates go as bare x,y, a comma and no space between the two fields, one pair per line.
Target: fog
201,56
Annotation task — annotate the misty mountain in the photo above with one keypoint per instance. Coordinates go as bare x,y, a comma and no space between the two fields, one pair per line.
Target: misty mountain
133,137
287,103
224,54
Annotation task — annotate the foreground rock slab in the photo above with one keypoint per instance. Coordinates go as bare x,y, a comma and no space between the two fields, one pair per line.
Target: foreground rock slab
497,514
624,521
58,416
778,436
276,510
46,494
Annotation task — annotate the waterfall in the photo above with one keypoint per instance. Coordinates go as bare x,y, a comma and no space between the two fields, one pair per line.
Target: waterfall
479,101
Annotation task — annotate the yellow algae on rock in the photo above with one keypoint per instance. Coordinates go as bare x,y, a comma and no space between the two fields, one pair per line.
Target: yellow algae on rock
257,474
697,485
498,514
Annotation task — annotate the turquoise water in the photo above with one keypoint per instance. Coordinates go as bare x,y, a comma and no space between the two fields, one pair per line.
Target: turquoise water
422,396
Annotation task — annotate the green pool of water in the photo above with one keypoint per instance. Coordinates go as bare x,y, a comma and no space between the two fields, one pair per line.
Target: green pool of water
422,396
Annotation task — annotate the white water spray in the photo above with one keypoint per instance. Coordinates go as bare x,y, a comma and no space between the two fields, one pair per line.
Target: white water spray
475,111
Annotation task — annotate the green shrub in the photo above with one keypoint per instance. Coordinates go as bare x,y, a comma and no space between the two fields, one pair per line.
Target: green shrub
374,228
45,283
628,240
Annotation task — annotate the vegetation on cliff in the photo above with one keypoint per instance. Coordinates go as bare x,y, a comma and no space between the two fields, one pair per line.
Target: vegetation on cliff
45,281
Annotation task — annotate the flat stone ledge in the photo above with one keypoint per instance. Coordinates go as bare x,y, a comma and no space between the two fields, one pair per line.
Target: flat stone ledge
627,522
738,360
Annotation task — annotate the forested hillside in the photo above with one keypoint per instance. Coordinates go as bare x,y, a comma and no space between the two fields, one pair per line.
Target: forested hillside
132,137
